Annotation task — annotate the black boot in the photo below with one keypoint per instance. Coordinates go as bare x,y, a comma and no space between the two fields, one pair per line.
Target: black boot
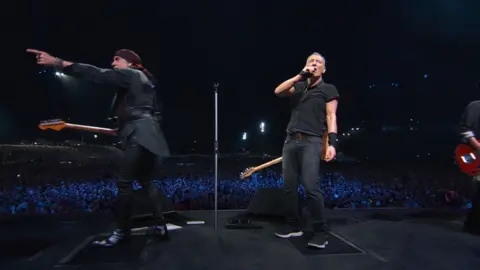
160,230
117,238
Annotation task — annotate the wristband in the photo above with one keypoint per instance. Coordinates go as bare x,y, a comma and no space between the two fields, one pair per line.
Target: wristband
332,139
58,63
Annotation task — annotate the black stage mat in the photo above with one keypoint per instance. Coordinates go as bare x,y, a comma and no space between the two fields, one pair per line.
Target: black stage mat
336,246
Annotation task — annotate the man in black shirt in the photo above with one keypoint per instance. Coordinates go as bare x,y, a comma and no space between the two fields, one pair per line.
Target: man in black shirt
144,144
469,128
314,107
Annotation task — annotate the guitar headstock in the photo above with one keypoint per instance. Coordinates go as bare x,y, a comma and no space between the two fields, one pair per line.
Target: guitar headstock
56,125
247,173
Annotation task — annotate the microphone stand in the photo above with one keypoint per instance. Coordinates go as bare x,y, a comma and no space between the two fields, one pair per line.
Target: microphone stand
215,146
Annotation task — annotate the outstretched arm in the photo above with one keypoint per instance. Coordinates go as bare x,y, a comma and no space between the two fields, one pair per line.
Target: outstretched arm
89,72
96,75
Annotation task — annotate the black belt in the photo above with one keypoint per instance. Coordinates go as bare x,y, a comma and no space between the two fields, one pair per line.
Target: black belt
299,136
138,115
133,116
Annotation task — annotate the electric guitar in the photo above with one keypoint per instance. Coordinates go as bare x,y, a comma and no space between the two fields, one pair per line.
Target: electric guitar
58,125
249,171
468,159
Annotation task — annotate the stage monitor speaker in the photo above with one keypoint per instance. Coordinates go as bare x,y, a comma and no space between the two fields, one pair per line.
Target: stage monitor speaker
267,202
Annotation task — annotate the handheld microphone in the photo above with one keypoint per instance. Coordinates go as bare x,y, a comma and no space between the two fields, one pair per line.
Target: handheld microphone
306,74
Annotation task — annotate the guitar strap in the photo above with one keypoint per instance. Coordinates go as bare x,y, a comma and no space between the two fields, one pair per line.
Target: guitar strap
114,101
112,117
157,111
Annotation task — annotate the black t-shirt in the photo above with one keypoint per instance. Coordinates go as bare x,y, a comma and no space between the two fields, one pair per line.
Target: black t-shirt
470,121
309,108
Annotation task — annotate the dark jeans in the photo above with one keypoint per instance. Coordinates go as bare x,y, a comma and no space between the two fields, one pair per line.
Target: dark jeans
138,164
472,223
302,157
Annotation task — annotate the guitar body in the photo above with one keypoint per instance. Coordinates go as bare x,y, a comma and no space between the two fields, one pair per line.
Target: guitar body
467,159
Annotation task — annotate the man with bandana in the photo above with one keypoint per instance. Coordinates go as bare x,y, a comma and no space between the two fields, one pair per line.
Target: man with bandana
136,108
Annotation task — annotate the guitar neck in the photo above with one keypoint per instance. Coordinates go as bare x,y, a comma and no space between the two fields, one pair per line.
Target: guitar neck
107,131
268,164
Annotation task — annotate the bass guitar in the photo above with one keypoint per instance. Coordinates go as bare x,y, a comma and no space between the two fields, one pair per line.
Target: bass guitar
58,125
249,171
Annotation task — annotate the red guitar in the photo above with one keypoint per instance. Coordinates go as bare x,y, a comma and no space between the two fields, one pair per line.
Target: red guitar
58,125
468,159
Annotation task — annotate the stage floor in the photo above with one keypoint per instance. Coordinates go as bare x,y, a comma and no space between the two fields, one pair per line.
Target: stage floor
360,239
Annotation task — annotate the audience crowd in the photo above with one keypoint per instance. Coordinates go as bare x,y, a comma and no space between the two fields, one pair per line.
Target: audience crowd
37,179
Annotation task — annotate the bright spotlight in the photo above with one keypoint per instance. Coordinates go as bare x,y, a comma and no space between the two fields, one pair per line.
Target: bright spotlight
244,136
95,136
262,127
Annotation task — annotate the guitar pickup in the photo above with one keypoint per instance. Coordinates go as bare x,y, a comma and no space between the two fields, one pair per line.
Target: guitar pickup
468,158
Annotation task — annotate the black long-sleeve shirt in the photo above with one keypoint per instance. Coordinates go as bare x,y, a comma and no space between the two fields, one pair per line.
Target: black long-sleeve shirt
134,89
135,93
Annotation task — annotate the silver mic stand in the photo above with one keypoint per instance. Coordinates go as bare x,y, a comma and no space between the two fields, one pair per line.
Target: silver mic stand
215,86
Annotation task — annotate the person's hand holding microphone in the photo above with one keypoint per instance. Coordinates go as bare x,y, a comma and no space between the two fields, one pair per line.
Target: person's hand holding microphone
308,71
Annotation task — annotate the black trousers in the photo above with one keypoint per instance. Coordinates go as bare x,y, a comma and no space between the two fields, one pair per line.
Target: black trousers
472,223
301,161
138,164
